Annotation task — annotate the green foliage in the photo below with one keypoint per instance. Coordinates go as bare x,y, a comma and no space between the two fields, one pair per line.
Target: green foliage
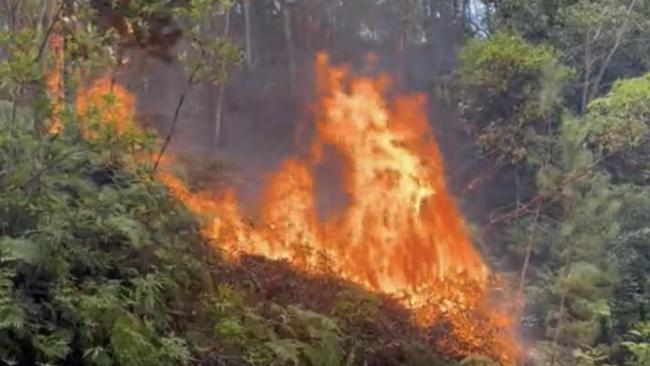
638,344
101,267
580,251
207,58
616,127
534,19
602,40
619,121
316,340
89,261
511,95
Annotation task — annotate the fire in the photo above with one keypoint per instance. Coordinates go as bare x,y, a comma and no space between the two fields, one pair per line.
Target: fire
401,229
107,102
54,82
101,101
400,233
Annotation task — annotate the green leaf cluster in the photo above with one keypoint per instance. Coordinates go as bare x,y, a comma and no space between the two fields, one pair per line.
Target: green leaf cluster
510,95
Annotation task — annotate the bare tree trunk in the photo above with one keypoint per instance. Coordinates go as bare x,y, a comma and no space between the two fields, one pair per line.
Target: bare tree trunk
465,15
177,112
402,42
286,16
68,78
47,28
560,322
310,32
587,76
610,55
12,9
331,24
524,269
55,90
222,90
404,34
46,16
248,36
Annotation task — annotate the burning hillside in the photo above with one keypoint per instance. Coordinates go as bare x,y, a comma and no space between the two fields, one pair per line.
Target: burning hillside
399,234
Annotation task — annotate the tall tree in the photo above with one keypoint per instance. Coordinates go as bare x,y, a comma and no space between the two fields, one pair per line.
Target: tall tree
248,34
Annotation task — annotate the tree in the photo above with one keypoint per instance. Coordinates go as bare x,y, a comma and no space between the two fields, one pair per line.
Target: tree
510,95
206,58
534,20
597,36
602,40
617,127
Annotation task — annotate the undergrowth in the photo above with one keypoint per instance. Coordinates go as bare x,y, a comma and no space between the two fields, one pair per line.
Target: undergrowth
101,266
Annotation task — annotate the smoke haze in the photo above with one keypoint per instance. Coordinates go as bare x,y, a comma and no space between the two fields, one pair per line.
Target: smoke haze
266,110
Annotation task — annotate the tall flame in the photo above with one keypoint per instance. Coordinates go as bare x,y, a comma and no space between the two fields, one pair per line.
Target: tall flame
400,233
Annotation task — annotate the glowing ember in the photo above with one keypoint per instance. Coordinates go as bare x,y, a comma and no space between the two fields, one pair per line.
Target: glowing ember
400,233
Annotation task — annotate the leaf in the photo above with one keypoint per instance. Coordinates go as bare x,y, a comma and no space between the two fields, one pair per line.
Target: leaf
20,249
229,327
176,349
132,229
326,352
53,347
287,350
12,316
128,343
98,356
147,292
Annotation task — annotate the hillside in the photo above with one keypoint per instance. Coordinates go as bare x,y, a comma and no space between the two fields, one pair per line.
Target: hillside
324,182
101,266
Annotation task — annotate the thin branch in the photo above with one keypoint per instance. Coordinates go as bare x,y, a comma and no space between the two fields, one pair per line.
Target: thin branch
179,106
529,249
288,35
587,75
540,197
43,170
222,89
48,33
560,321
612,52
14,106
247,35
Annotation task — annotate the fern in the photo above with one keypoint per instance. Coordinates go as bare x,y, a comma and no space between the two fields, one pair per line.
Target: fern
129,344
175,350
287,350
97,356
130,228
12,316
147,293
20,250
52,347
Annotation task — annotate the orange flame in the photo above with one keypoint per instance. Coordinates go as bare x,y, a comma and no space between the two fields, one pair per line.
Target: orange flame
400,233
54,82
105,101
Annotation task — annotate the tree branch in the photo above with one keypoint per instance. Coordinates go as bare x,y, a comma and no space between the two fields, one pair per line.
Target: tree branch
540,197
177,111
48,33
608,59
529,250
44,169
